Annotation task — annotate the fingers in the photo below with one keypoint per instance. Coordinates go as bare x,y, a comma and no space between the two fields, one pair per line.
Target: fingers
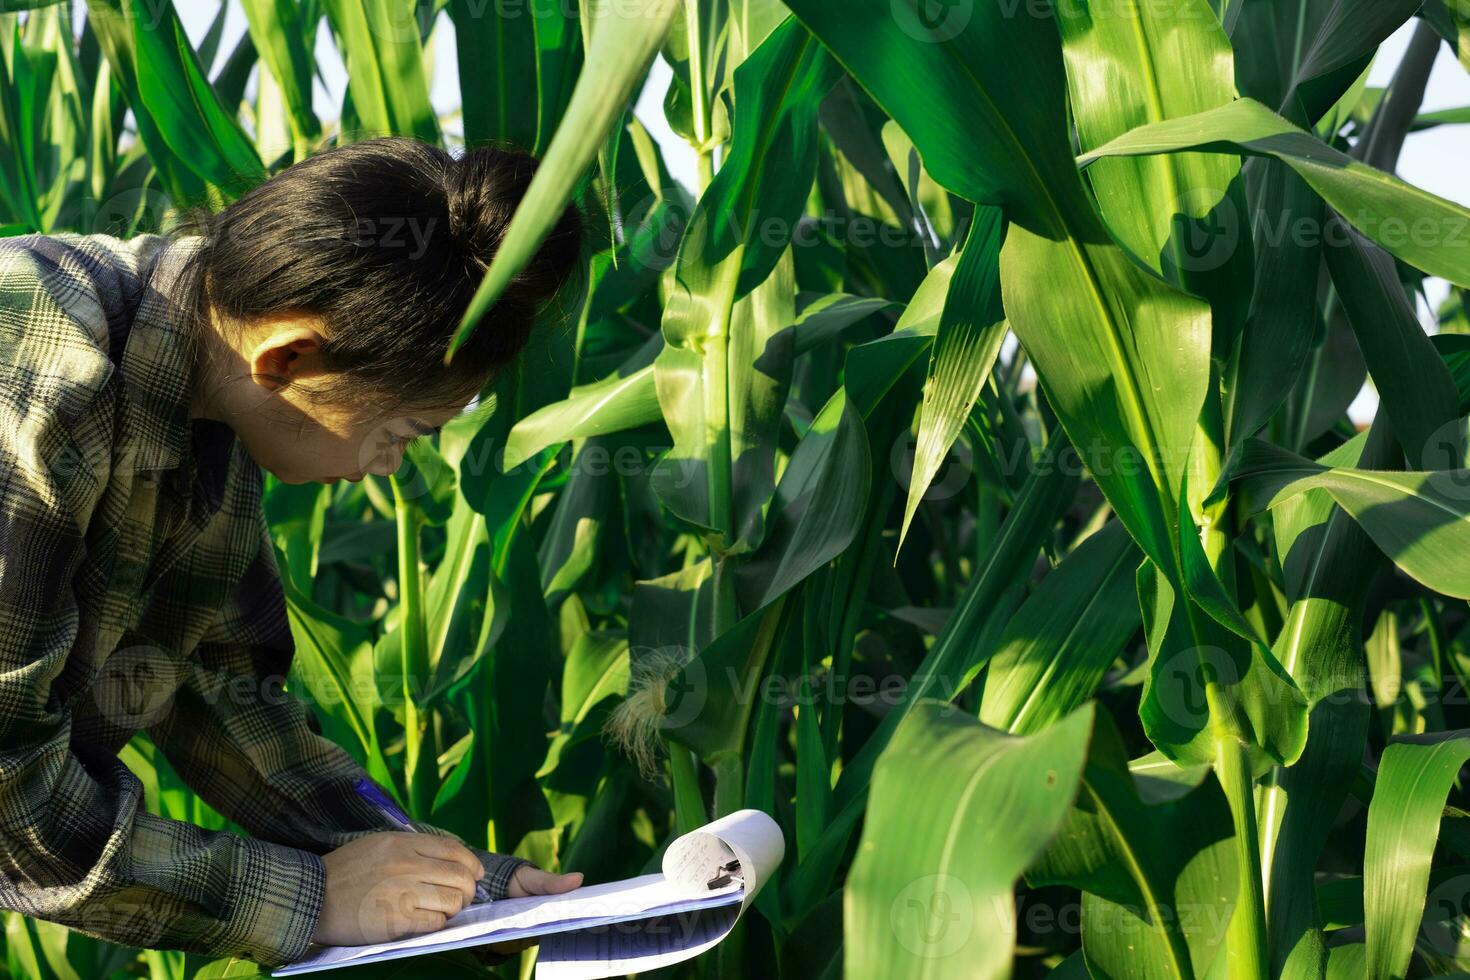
448,873
534,881
559,884
434,860
447,849
430,897
424,920
438,873
386,885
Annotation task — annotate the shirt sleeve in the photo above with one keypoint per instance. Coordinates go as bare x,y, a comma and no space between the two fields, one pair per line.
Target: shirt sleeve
256,753
77,846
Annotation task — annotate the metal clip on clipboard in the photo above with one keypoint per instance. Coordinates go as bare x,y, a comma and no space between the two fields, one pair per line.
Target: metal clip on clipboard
726,873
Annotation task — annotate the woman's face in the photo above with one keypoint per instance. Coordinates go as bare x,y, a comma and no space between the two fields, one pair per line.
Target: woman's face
328,443
299,438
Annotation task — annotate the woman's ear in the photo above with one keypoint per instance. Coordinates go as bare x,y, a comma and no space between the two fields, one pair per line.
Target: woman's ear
284,352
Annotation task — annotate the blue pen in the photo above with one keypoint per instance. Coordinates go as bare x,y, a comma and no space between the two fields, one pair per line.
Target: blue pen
384,804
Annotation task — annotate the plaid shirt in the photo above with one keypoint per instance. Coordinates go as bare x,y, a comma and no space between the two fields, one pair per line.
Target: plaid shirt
139,591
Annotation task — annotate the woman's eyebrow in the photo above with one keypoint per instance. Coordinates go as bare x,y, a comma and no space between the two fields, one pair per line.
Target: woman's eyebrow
422,428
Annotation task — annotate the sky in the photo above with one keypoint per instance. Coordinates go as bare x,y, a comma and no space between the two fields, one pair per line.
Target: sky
1433,159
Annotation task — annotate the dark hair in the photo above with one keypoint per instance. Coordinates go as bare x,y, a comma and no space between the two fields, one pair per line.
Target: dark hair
386,240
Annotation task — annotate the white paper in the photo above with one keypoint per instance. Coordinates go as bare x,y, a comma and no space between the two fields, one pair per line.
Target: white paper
609,929
633,947
636,946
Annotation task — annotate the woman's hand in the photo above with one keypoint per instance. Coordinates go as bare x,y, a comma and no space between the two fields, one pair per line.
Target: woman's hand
531,880
384,886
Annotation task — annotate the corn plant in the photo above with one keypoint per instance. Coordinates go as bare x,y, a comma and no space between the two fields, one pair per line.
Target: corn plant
960,471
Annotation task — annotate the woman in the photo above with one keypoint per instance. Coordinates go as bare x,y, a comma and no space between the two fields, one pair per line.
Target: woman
144,384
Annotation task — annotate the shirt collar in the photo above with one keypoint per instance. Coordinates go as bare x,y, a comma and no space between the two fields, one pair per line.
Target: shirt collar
157,366
158,370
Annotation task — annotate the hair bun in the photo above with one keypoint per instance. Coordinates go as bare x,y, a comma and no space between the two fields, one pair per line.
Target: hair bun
482,188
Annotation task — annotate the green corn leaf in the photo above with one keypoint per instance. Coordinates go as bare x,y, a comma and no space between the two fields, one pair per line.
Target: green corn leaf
1423,230
297,515
1067,633
712,696
969,637
428,481
721,376
191,137
18,131
966,345
847,117
1263,702
937,84
625,37
498,52
1331,377
584,509
1414,777
813,769
280,38
1328,563
1416,389
209,44
874,368
1278,331
616,403
1333,44
58,103
1175,213
1124,358
628,398
1128,373
1150,846
559,58
817,508
1452,19
596,669
497,55
381,46
334,659
1421,520
456,586
973,808
505,643
509,708
230,80
1455,349
962,647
